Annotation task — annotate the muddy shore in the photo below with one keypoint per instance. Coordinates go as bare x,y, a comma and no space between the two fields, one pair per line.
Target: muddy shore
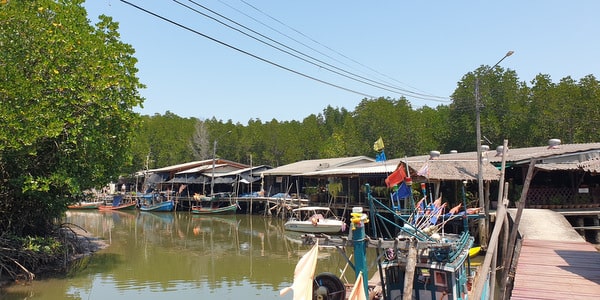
87,244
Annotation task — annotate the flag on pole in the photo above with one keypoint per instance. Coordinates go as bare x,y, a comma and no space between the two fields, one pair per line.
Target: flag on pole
397,176
424,171
402,192
378,145
380,156
438,211
455,209
304,275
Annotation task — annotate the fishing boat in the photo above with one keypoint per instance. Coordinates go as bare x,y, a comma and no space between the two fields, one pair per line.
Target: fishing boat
420,259
167,205
207,209
315,219
117,204
86,205
155,202
220,203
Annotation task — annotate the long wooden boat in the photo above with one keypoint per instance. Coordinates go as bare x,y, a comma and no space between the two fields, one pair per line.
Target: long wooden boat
200,209
164,206
122,206
86,205
220,203
117,204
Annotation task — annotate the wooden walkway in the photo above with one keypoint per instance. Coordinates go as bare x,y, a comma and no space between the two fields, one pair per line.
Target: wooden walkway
548,269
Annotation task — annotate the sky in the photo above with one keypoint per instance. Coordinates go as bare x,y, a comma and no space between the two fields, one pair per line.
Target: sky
243,60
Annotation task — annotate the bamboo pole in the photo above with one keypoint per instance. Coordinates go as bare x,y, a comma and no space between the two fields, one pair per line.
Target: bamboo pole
409,275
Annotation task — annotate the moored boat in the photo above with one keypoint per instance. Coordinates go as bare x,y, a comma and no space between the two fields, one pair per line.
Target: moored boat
168,205
315,219
421,261
117,204
220,203
86,205
207,209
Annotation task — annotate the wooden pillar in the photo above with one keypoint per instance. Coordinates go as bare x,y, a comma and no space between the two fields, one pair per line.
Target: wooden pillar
596,223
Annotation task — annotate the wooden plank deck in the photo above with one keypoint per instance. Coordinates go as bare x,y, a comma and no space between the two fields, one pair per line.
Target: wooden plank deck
557,270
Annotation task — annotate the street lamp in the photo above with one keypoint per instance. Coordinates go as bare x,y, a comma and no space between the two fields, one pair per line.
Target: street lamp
478,127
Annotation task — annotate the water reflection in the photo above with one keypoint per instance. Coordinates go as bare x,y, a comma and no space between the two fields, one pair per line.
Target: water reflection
183,256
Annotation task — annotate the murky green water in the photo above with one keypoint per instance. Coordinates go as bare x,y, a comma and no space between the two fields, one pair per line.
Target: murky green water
182,256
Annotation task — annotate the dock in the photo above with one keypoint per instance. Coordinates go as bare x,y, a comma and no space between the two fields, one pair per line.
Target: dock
555,262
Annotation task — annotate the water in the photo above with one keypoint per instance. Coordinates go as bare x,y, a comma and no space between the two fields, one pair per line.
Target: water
183,256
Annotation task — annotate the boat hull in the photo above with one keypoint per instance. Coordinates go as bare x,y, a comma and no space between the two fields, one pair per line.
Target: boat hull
323,226
219,210
162,206
127,206
314,219
86,205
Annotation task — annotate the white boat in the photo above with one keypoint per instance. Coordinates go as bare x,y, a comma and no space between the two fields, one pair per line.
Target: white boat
315,219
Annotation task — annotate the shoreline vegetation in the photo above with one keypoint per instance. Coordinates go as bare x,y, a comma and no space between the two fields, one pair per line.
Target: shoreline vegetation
21,263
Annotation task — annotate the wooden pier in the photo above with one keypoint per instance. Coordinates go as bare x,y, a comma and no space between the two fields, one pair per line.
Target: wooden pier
554,261
557,270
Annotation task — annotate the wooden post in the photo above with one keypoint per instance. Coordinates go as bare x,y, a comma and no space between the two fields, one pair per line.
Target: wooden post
409,274
513,234
485,267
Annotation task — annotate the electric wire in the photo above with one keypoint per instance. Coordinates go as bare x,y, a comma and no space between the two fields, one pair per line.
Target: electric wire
245,52
364,79
329,48
422,95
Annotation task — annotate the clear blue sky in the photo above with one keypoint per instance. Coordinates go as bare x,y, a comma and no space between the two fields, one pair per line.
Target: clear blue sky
423,47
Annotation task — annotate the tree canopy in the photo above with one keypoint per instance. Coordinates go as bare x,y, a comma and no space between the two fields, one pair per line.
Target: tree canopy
67,92
510,109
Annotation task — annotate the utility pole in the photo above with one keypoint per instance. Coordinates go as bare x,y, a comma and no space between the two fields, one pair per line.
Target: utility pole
212,177
484,225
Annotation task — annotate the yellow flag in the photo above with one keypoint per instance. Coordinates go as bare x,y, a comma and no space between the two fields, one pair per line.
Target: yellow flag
378,145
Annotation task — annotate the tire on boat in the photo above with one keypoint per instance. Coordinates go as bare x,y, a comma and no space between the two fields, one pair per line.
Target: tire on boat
327,286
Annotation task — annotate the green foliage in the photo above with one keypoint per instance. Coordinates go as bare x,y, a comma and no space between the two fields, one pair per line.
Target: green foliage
526,116
67,90
47,245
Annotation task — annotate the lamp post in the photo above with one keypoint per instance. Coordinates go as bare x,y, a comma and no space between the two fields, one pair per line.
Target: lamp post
479,154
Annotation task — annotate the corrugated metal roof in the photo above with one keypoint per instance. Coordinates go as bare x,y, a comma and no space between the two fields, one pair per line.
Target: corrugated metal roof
195,164
557,166
314,165
524,155
437,169
183,166
199,169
